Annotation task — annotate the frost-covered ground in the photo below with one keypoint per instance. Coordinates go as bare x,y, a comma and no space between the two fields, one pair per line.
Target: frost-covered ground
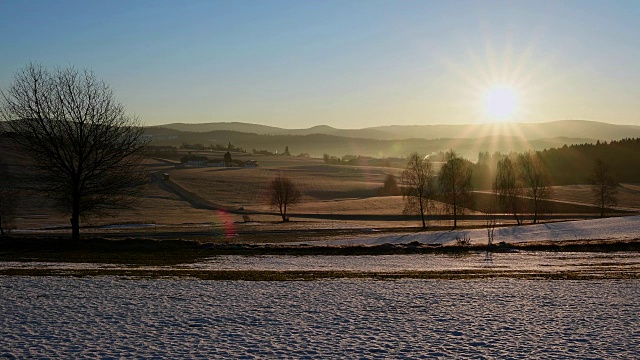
107,317
534,261
514,263
619,228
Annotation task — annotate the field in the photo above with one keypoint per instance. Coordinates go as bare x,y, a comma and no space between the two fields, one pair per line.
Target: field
68,317
334,197
439,300
346,189
628,195
246,187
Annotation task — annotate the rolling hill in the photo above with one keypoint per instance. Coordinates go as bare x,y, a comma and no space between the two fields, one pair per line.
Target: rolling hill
528,131
318,144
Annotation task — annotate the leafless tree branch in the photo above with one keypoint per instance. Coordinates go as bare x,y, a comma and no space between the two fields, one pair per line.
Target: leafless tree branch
283,193
85,150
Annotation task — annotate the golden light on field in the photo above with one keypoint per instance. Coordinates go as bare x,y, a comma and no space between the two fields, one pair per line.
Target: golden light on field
500,103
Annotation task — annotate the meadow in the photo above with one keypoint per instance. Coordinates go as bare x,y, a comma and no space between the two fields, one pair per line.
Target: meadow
334,197
235,290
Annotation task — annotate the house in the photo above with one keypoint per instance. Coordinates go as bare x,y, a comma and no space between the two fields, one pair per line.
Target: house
194,160
216,163
250,163
160,148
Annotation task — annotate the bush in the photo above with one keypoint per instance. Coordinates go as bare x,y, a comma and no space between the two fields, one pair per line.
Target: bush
464,241
390,186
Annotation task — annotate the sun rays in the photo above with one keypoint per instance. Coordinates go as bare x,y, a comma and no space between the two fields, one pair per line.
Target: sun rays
501,90
500,103
498,84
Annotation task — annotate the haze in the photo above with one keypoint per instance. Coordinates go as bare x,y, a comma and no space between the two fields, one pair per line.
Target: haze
347,64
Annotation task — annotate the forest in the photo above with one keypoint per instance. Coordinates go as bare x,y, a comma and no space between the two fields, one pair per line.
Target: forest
571,164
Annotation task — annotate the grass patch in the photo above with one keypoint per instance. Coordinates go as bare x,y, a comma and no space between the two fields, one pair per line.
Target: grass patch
251,275
149,252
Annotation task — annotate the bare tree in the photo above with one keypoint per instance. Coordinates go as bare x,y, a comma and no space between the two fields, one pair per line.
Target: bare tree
603,186
8,198
508,188
418,181
455,184
86,151
536,181
282,193
491,220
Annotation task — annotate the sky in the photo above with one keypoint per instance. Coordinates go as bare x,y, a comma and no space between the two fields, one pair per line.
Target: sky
347,64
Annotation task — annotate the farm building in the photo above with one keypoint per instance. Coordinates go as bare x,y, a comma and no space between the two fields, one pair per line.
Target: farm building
216,163
194,160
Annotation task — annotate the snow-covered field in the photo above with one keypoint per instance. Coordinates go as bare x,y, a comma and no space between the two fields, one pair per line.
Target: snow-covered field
619,228
114,317
108,317
530,261
538,262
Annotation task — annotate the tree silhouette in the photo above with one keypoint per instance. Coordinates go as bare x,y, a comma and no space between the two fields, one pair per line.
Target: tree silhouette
227,159
390,186
86,152
455,184
603,186
8,197
418,181
508,188
536,181
283,193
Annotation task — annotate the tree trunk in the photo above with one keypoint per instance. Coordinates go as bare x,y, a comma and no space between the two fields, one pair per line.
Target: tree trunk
75,219
515,215
75,228
455,213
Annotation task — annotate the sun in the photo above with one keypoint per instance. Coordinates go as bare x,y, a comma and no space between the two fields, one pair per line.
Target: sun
500,103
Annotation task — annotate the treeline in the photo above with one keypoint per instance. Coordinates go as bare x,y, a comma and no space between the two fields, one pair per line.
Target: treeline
212,147
521,182
573,164
570,165
359,160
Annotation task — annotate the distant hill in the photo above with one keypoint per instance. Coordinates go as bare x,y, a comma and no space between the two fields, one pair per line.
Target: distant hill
319,144
527,131
226,126
271,130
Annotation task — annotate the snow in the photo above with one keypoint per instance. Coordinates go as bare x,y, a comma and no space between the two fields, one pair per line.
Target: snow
526,261
509,264
619,228
126,317
107,317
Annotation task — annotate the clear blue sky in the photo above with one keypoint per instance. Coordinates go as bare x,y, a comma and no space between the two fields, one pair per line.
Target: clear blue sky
348,64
